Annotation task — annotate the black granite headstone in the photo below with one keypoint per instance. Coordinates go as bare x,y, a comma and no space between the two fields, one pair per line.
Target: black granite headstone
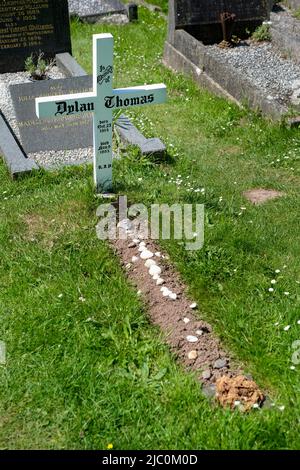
194,12
31,26
201,18
51,134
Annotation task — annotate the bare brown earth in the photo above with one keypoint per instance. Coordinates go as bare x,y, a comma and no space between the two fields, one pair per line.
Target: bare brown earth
238,391
259,195
206,356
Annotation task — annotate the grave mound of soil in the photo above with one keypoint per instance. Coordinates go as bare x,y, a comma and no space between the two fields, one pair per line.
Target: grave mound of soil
238,392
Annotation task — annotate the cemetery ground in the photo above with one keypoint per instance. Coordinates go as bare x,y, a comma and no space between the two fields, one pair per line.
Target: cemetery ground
85,368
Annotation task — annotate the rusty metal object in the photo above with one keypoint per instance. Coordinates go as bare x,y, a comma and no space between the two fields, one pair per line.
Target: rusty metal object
227,22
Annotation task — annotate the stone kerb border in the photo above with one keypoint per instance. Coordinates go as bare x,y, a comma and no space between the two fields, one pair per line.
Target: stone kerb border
191,57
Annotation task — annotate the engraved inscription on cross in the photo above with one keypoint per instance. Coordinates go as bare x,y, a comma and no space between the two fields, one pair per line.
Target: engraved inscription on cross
102,101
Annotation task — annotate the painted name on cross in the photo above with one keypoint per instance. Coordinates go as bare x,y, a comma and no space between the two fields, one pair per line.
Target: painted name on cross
101,102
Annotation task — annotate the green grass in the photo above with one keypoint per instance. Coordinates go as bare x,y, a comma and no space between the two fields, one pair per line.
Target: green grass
82,374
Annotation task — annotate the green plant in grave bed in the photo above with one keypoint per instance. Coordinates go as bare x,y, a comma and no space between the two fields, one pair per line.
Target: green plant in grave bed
297,14
262,33
38,67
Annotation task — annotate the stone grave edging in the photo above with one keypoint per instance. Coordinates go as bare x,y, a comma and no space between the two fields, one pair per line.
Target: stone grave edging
191,57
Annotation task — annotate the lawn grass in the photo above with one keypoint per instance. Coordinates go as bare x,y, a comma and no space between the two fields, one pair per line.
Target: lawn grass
84,366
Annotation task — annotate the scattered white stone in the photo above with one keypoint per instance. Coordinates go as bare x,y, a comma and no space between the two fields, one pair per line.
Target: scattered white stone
173,296
136,241
159,281
142,244
134,259
237,403
193,305
286,328
186,320
192,339
166,293
149,262
146,254
139,292
154,269
157,254
125,224
164,288
155,277
199,332
193,354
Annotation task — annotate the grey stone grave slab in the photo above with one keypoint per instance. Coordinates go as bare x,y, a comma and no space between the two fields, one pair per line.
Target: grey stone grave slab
132,136
31,26
91,9
37,135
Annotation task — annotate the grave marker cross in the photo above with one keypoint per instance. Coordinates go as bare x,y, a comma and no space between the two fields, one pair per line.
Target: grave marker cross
102,101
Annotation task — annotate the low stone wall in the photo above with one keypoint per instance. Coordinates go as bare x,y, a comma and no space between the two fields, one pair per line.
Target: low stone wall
285,30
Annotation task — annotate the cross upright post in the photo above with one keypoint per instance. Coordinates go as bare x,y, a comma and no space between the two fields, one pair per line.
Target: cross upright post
101,102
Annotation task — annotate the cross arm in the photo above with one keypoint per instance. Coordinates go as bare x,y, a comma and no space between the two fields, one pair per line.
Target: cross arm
64,105
137,96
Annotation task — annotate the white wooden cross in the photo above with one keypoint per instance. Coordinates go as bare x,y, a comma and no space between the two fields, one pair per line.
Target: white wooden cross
102,101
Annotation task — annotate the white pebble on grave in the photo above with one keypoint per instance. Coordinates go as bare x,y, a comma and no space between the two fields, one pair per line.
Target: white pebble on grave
173,296
125,224
186,320
154,269
191,339
193,354
146,254
199,332
136,241
134,259
159,281
157,254
149,262
166,293
193,305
